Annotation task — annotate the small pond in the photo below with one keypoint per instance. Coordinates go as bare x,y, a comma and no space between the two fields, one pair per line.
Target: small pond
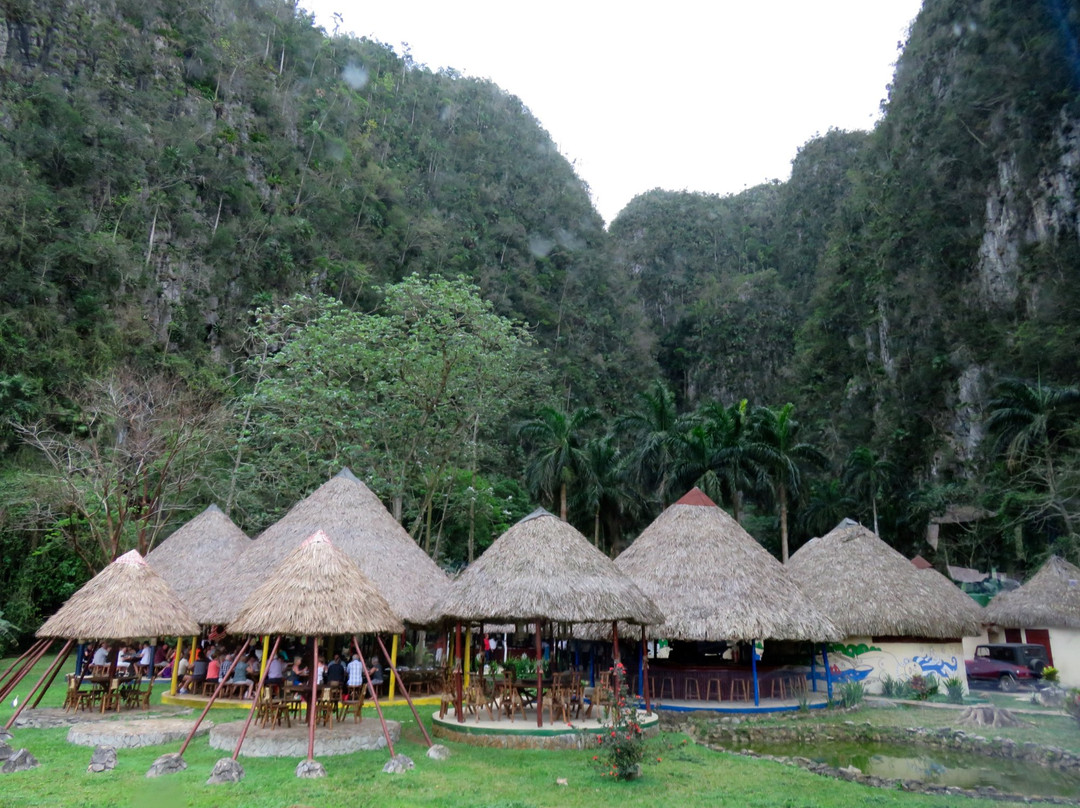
935,766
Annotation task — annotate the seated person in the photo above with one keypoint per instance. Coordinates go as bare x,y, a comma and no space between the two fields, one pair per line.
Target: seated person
275,672
213,671
335,673
196,675
299,672
356,672
375,669
240,675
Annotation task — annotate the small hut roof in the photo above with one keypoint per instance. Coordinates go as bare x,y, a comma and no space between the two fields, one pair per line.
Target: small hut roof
364,530
952,597
197,561
127,600
869,589
543,567
714,581
1051,599
316,590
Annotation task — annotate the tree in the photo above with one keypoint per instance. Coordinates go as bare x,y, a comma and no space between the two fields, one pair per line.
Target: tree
555,441
139,442
1031,421
828,503
653,435
776,441
868,476
402,395
601,487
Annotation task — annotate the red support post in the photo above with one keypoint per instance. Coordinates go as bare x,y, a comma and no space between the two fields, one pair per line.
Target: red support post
314,698
374,696
222,678
539,675
645,672
27,666
459,713
255,701
50,671
404,691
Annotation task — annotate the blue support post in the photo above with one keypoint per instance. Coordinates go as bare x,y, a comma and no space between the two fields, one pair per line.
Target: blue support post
592,664
641,672
753,667
79,659
828,673
813,669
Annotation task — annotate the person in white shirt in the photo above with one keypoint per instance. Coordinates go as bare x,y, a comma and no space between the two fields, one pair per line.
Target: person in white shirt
356,672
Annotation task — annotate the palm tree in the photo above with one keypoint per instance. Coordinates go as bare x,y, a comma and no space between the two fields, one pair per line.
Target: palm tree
1031,419
829,502
653,434
556,441
776,443
600,487
716,454
869,476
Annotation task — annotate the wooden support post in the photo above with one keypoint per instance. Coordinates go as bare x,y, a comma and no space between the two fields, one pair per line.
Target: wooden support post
314,698
55,670
645,672
539,675
468,654
404,692
51,670
222,678
28,660
459,713
254,701
374,697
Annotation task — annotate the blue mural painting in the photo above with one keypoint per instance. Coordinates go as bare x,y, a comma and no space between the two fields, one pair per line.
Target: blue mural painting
943,668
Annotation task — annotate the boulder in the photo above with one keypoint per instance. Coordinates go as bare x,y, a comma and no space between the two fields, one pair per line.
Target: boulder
438,752
103,759
398,764
18,762
167,764
226,770
310,769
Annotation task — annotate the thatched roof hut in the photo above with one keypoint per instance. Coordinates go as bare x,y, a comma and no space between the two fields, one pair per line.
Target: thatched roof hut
364,530
952,597
127,600
197,562
713,581
543,567
316,590
1050,599
869,589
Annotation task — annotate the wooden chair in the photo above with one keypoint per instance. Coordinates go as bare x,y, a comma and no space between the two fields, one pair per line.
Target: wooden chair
716,685
111,699
576,694
353,705
509,697
661,683
558,698
741,690
691,689
73,694
475,699
326,707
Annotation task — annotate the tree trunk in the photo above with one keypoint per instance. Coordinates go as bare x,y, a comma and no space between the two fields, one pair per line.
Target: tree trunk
562,501
783,524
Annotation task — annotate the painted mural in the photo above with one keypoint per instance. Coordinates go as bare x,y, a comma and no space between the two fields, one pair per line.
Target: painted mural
856,661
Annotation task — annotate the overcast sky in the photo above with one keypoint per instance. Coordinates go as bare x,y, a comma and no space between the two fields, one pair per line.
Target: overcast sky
705,96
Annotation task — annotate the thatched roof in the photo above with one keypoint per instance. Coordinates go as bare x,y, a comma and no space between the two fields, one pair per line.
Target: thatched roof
197,561
353,516
713,581
952,597
127,600
869,589
316,590
1051,599
544,568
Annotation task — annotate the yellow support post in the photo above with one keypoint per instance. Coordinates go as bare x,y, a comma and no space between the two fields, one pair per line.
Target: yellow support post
468,654
265,660
176,662
194,645
393,664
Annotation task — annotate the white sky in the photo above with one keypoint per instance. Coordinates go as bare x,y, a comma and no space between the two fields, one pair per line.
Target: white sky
704,96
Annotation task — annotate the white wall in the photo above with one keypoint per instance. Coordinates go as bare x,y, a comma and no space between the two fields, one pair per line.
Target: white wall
861,659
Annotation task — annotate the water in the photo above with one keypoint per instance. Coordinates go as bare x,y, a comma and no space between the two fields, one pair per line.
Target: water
938,767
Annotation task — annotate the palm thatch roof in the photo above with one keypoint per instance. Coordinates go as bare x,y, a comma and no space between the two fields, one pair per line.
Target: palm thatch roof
952,597
869,589
713,581
316,590
364,530
197,561
544,568
127,600
1050,599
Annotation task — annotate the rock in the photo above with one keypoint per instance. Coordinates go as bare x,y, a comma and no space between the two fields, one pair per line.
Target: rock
167,764
226,770
310,769
1049,696
18,762
5,751
987,715
5,735
103,759
438,752
398,764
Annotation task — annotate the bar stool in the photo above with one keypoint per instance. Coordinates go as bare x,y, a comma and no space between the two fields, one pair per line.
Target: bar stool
691,684
665,681
714,684
778,687
740,690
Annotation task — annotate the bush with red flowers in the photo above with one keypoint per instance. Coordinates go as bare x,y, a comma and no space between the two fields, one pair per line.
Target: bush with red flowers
622,744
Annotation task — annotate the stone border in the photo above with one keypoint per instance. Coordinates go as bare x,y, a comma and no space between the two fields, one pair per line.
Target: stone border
734,736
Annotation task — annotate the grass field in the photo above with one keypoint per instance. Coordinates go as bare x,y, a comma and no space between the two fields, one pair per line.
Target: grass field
678,773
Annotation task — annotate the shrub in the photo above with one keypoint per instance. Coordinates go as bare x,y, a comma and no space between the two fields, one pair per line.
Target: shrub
1050,674
954,690
1072,704
923,687
622,744
852,694
890,687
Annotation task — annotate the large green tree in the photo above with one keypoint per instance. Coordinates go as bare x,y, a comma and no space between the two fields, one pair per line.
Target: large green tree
555,444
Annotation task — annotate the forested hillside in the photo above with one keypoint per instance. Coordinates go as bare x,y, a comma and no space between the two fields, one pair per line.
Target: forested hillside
240,252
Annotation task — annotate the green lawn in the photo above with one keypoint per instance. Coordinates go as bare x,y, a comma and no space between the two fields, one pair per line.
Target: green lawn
678,773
